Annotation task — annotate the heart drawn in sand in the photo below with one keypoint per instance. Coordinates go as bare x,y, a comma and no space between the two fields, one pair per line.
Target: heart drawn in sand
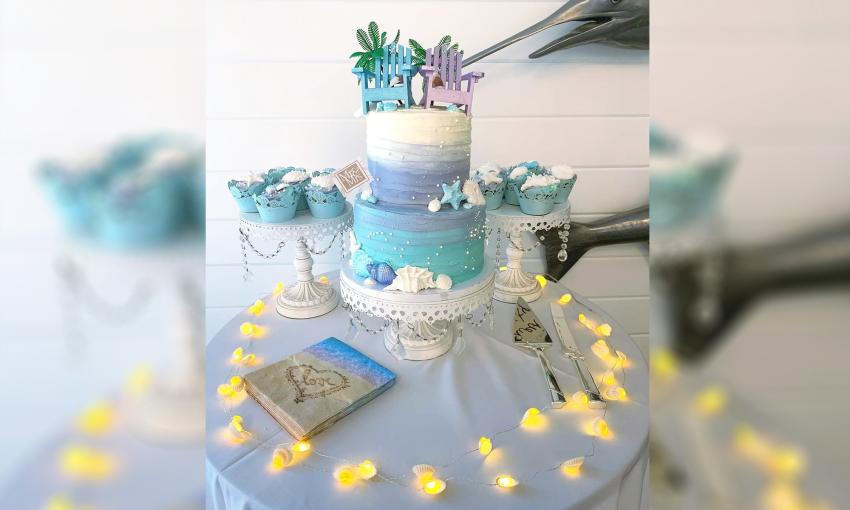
312,383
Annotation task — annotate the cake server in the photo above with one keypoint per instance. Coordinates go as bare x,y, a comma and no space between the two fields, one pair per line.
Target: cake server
530,334
572,352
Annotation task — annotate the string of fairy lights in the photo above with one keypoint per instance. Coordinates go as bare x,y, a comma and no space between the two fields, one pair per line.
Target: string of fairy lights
425,478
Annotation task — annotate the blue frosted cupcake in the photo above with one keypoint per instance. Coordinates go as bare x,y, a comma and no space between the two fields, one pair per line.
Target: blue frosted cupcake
515,180
243,191
298,178
139,210
537,194
323,197
492,184
278,203
567,179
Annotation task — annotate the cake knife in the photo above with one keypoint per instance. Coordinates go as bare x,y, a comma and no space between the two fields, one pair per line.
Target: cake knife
572,352
530,334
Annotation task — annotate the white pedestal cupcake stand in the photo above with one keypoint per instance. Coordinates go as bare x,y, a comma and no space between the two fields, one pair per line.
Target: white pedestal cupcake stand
512,281
423,325
306,298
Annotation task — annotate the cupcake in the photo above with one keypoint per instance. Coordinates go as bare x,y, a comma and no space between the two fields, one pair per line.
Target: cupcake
516,178
489,178
537,194
298,178
567,178
274,175
532,166
244,190
323,197
278,203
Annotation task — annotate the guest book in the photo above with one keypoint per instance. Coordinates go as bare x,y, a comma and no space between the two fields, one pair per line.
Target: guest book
313,389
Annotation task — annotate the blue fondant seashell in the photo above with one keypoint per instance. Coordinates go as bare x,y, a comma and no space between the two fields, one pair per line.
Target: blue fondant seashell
360,262
382,273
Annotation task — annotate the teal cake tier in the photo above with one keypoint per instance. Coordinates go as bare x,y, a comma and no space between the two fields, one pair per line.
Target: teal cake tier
449,242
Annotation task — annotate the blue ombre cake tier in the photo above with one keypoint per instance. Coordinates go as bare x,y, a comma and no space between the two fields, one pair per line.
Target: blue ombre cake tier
411,153
447,242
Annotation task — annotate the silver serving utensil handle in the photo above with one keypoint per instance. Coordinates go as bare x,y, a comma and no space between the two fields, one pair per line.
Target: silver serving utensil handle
594,399
556,395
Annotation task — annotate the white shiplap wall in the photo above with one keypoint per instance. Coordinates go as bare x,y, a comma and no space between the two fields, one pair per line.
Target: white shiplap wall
280,91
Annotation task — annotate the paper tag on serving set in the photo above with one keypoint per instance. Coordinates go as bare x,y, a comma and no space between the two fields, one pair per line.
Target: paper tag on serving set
351,177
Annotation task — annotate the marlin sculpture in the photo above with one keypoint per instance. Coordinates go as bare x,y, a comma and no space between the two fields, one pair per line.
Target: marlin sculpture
622,23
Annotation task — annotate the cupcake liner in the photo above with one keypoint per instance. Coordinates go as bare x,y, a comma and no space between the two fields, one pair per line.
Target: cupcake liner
279,209
512,189
564,189
493,194
245,198
537,201
325,204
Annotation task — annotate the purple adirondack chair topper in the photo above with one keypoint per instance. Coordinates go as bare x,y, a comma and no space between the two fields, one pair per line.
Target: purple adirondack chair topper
444,77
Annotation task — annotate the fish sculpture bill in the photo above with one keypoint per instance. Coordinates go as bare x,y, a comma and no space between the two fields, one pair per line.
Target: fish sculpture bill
621,23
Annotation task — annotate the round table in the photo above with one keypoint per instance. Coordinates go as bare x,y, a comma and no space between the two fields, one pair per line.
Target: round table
435,414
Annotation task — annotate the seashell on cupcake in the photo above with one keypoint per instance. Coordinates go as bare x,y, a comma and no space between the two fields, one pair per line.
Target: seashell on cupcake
412,279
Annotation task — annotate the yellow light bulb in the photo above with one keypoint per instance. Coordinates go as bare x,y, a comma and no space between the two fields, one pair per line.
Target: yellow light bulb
345,475
434,486
601,428
621,357
572,467
366,469
281,458
225,390
615,393
565,298
247,329
601,349
236,422
787,462
237,354
485,446
237,383
579,400
506,481
257,308
85,462
301,447
97,419
503,268
278,288
249,359
609,378
324,280
710,401
531,417
603,329
541,280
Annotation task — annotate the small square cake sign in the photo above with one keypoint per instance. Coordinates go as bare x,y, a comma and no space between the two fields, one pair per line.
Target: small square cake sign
351,177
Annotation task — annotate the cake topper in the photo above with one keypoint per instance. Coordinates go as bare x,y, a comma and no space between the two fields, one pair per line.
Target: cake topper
351,177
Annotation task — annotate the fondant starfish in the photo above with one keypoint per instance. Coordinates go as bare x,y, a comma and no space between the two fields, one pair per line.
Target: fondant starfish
452,195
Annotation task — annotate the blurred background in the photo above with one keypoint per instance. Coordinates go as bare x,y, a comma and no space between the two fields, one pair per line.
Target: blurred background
101,253
750,254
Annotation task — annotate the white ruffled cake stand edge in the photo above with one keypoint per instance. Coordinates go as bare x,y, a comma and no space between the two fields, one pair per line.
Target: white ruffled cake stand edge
512,282
423,325
306,298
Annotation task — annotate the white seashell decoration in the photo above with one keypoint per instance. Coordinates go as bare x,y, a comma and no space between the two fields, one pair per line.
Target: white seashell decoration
444,282
518,172
412,279
366,191
473,193
369,281
353,245
434,205
423,469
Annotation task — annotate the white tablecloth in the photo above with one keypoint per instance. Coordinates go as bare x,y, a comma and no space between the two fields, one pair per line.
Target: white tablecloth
436,411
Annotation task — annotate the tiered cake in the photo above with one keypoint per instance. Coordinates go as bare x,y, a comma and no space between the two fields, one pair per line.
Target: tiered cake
421,213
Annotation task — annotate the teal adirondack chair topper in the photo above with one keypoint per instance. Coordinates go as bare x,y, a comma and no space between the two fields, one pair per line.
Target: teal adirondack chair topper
394,63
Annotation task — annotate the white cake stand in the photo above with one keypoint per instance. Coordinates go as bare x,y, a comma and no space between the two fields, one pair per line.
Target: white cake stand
511,281
307,298
423,325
